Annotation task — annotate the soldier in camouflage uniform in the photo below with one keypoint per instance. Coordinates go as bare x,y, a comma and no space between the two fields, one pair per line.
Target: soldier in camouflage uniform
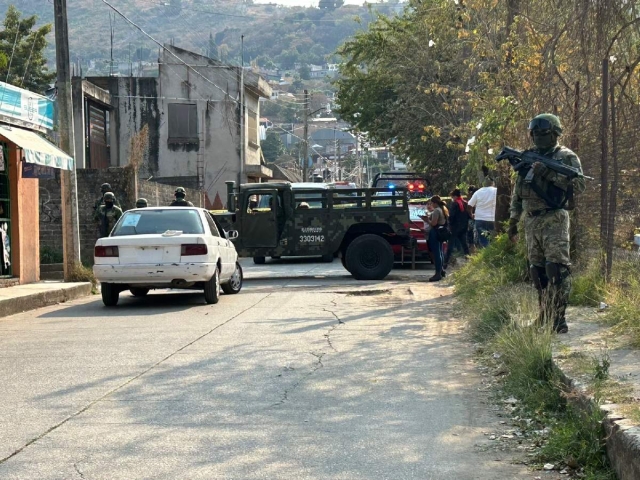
104,188
180,201
107,215
142,203
545,201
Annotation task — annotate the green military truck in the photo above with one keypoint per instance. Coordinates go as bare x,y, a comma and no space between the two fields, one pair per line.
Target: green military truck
358,225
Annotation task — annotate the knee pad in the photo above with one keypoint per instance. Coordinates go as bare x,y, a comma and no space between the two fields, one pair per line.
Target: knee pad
539,277
557,273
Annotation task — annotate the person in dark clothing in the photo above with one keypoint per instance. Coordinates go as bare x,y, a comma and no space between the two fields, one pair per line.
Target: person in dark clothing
471,232
436,218
459,224
180,201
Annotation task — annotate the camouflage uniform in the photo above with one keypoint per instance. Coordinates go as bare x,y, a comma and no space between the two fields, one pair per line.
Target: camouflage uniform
180,201
104,188
547,233
106,218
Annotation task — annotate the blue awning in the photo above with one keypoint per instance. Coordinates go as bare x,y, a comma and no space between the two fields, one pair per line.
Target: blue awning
36,149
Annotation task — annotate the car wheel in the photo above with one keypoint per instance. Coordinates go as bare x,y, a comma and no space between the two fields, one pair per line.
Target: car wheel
259,260
327,258
369,257
212,288
139,292
234,285
110,294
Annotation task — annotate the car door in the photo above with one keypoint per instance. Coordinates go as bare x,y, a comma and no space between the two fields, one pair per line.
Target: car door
219,243
260,223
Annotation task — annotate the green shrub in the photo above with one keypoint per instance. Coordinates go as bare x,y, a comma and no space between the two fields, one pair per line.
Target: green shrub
526,351
623,297
578,437
588,287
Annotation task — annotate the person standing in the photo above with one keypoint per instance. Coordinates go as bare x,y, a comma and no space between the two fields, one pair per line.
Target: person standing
544,201
458,224
471,232
436,219
180,200
104,188
107,215
484,201
142,203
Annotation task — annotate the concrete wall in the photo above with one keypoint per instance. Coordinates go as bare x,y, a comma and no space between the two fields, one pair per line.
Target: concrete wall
123,183
25,250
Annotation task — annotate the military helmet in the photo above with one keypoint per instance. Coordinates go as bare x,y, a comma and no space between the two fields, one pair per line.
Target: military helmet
546,121
109,196
181,191
105,187
141,203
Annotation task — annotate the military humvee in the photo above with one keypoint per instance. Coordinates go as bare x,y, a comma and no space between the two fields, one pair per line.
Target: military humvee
358,225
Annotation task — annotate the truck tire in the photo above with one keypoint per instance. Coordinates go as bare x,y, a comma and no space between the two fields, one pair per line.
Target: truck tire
259,260
343,259
110,294
369,257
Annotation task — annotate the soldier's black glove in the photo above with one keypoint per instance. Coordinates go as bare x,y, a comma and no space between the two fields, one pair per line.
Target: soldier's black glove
513,227
540,169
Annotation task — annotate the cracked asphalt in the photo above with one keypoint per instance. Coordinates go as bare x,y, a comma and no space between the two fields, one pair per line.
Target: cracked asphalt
306,374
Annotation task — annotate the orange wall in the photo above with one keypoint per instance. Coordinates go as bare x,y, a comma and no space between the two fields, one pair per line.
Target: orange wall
25,221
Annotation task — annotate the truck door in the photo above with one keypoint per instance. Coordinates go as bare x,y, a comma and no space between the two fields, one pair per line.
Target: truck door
260,219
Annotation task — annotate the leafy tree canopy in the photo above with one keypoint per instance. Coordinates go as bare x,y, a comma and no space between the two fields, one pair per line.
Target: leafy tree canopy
272,147
22,60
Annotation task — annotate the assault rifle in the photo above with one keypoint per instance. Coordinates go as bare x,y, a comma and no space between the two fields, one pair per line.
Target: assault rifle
524,161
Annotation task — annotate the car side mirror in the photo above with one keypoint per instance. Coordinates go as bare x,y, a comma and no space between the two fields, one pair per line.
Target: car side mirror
231,234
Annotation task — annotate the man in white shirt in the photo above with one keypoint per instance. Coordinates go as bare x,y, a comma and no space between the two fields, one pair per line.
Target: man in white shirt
484,201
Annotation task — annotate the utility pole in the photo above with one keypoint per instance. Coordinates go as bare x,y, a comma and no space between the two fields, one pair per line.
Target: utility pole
68,181
305,136
243,135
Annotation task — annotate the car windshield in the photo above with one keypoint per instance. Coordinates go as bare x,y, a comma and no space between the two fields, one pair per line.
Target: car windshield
156,221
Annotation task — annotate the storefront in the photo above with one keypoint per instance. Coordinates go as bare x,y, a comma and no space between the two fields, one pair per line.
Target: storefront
25,156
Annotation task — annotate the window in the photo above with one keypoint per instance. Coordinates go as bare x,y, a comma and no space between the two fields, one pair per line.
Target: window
183,122
157,222
212,225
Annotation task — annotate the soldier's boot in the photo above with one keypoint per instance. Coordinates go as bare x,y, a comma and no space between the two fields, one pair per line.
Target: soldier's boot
540,281
559,289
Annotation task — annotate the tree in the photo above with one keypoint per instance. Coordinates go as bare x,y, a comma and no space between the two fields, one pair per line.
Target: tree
22,59
272,147
305,72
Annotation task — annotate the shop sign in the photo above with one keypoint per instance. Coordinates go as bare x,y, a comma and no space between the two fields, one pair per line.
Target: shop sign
23,108
33,170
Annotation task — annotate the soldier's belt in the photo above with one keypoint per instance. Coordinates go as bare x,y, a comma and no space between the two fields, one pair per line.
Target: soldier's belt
542,211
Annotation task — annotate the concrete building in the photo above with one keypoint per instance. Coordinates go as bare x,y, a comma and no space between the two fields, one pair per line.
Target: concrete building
193,118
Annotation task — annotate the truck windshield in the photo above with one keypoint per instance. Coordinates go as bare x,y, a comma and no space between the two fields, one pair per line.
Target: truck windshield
158,221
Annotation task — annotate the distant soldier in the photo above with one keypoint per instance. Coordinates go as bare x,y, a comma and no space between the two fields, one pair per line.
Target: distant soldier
180,200
107,215
104,188
141,203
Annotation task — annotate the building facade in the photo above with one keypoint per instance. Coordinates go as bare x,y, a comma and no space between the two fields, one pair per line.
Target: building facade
196,125
25,157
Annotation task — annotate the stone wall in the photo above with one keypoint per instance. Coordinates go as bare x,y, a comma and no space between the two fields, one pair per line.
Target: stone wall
123,184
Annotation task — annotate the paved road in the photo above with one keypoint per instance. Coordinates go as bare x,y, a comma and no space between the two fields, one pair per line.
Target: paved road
312,377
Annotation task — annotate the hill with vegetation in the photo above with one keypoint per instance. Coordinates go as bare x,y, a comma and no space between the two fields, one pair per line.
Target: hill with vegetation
274,36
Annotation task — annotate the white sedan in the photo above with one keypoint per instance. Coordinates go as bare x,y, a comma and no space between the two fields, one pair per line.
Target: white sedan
167,247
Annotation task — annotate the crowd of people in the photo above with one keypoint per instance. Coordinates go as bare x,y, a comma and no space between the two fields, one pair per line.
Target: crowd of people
107,210
465,224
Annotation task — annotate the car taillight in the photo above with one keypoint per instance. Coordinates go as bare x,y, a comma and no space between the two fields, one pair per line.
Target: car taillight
193,249
411,186
101,251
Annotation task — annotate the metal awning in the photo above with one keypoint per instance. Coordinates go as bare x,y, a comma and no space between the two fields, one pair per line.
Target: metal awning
37,149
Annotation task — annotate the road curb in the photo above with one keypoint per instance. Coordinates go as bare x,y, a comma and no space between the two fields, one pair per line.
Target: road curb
392,276
622,436
23,303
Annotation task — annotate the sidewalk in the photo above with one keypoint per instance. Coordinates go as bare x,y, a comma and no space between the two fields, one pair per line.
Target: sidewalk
21,298
588,342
